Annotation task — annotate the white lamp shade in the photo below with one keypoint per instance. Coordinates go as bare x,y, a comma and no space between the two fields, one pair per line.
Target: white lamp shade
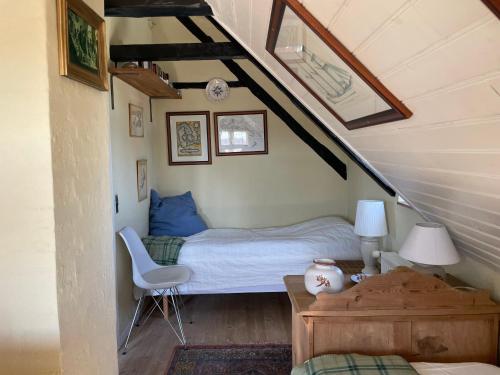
370,219
429,243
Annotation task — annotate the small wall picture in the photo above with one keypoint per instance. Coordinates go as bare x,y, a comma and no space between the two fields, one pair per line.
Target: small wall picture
142,179
241,133
81,37
135,121
188,138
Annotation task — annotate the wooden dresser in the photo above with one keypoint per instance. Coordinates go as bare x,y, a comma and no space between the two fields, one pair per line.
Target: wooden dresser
402,312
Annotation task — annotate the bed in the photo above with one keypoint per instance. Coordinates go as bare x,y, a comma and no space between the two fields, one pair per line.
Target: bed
424,368
255,260
388,365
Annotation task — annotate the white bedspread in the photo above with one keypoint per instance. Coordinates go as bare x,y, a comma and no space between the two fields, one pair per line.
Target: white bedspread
465,368
255,260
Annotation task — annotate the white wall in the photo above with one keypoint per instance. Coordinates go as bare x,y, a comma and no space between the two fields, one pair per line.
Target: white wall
289,185
29,329
125,151
83,217
58,311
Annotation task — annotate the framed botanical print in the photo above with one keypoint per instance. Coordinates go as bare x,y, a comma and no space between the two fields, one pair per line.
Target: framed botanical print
240,133
332,74
188,138
142,179
82,43
135,121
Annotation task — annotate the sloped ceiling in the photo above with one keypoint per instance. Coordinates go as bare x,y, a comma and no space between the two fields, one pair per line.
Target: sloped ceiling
442,59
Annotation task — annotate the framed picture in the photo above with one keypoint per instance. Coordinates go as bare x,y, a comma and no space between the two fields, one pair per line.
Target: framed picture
188,138
142,179
332,74
240,133
135,121
82,43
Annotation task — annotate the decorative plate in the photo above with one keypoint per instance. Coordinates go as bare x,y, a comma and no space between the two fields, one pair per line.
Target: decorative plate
217,89
359,277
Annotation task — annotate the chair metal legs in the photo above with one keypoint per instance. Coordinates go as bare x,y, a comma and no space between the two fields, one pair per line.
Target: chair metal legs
180,336
178,315
132,324
174,294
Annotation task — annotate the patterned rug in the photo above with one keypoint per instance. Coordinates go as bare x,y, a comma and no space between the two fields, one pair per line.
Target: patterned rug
231,360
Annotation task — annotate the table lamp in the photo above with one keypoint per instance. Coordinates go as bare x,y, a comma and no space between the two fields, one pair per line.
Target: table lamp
430,246
370,225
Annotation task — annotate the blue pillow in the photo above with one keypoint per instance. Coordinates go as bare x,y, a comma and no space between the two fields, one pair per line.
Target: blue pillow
174,216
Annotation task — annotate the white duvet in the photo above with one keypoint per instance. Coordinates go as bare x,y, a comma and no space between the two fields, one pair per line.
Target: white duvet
255,260
465,368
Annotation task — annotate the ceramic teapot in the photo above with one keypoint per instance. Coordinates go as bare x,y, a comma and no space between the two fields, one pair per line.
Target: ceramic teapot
324,276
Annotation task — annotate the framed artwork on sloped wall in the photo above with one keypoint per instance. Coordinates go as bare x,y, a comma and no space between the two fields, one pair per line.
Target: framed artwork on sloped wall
328,70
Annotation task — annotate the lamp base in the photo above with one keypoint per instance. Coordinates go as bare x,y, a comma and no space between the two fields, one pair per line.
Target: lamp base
368,246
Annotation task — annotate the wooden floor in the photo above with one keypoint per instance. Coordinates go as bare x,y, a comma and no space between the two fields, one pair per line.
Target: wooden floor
216,319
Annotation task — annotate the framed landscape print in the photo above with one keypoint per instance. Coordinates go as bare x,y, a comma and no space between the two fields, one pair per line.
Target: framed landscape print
188,138
142,179
82,43
332,74
135,121
240,133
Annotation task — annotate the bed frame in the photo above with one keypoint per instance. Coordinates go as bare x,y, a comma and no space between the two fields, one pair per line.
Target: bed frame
403,312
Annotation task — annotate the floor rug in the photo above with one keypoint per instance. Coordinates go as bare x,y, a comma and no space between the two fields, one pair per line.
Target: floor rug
231,360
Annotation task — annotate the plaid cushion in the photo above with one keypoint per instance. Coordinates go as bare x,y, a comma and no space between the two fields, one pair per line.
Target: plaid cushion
163,250
348,364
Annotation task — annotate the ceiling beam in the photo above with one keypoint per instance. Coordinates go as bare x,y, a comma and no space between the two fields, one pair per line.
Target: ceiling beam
203,85
494,6
156,8
354,157
321,150
177,52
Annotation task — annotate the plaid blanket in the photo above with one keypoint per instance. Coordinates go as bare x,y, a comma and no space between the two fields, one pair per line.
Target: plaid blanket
163,250
355,364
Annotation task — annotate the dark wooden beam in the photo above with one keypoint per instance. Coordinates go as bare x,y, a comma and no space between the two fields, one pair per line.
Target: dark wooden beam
494,6
203,85
176,52
320,149
355,158
156,8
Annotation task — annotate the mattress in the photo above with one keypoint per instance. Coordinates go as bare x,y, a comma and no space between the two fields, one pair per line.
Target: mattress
255,260
465,368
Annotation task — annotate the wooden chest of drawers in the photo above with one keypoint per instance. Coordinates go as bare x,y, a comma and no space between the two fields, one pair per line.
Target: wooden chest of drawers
403,312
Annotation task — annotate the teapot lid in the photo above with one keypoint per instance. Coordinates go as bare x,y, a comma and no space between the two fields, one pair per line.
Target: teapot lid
324,261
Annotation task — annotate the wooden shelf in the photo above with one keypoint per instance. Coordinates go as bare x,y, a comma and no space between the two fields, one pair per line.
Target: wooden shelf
146,81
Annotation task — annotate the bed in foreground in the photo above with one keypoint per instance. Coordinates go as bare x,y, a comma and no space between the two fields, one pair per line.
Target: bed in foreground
255,260
350,364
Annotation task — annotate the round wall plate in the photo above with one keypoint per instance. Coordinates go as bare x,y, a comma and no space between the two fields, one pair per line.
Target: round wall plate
217,89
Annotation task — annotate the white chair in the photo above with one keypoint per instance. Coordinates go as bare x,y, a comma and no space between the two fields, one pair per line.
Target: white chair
154,279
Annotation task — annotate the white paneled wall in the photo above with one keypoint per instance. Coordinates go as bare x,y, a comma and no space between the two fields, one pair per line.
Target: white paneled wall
442,59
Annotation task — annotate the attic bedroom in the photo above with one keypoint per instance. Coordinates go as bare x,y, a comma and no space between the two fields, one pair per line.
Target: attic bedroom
250,187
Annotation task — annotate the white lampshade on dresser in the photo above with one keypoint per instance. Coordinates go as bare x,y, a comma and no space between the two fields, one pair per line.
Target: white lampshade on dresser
370,225
429,244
